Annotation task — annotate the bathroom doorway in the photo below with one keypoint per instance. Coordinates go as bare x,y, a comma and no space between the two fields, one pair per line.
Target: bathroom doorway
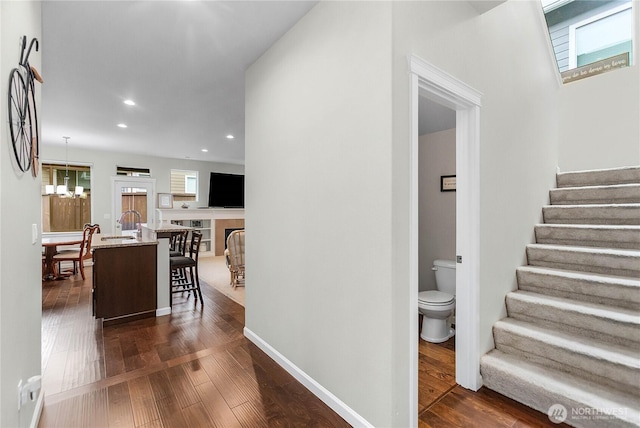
445,90
436,238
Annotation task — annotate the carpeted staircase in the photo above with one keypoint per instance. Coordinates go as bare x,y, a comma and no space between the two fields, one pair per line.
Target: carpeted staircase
572,334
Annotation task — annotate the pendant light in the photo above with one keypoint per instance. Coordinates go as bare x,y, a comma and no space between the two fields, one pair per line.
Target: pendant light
63,189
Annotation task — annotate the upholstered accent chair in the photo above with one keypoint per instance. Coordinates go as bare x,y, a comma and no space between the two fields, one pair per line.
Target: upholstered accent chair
235,257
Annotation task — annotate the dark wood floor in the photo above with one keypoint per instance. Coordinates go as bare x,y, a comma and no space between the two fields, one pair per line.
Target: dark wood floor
195,368
443,403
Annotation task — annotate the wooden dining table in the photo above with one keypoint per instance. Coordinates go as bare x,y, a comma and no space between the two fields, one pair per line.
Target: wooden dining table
50,246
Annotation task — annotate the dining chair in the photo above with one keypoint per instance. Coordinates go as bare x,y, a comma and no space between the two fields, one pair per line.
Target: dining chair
83,253
235,257
184,271
70,251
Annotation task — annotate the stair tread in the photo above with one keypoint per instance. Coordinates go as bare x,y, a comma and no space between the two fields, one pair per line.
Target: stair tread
579,344
630,227
597,186
586,276
622,315
581,249
590,206
588,171
627,174
590,394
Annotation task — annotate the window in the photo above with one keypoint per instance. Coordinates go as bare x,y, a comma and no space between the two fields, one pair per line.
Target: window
601,37
590,37
184,185
190,183
66,197
133,172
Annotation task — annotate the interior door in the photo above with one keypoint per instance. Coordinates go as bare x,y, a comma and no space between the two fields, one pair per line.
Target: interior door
132,194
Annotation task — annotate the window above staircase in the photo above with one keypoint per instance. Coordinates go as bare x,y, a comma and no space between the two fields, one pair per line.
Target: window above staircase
590,37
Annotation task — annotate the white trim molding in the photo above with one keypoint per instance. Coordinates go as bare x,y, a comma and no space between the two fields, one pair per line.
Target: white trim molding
37,413
429,81
163,311
542,23
337,405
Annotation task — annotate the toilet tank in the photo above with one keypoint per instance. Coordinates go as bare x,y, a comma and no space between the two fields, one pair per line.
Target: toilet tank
445,275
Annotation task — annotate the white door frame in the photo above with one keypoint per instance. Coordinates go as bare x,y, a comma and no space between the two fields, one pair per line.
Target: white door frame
435,84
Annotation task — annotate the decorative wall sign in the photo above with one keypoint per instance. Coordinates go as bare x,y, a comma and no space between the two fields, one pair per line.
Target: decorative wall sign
165,200
599,67
447,183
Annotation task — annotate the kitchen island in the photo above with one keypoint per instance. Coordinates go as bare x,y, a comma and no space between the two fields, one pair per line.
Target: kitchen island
124,278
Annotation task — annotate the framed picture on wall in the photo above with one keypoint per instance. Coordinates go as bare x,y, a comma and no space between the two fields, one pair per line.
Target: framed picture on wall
447,183
165,200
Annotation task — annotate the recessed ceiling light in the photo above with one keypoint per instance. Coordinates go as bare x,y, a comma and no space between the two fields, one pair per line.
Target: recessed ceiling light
122,125
230,137
129,102
205,150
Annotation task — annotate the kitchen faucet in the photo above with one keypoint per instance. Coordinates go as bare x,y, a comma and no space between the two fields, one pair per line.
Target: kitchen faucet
138,221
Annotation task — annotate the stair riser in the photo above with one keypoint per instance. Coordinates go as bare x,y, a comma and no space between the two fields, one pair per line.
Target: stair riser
615,215
580,289
609,264
625,334
599,178
618,376
525,389
589,237
625,194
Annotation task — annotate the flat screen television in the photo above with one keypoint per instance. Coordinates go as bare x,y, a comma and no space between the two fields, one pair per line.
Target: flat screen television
226,190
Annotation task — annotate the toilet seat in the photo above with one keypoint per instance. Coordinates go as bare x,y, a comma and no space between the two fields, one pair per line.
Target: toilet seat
435,298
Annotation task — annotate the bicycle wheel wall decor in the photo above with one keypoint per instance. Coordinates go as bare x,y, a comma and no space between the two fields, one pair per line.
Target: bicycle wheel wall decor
22,111
20,120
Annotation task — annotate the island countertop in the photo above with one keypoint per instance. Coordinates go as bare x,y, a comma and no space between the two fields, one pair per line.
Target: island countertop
166,227
100,241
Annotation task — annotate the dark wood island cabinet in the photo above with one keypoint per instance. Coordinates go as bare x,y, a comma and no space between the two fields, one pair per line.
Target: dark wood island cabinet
124,279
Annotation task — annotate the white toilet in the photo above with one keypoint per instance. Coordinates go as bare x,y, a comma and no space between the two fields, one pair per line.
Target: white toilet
437,305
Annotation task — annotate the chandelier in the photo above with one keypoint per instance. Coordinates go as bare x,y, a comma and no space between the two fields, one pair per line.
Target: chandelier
62,190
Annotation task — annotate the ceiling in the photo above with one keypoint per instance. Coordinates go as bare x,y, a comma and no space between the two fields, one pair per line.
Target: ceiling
433,117
182,62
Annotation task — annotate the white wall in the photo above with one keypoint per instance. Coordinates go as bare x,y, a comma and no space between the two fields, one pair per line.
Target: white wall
437,210
318,135
600,125
105,164
20,272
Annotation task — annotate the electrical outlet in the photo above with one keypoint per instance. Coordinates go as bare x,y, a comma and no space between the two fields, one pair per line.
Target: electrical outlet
29,390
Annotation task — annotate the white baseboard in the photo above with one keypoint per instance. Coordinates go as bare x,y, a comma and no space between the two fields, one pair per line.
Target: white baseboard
35,420
163,311
337,405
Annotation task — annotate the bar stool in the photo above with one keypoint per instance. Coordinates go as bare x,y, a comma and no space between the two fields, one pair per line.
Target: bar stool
178,243
184,271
